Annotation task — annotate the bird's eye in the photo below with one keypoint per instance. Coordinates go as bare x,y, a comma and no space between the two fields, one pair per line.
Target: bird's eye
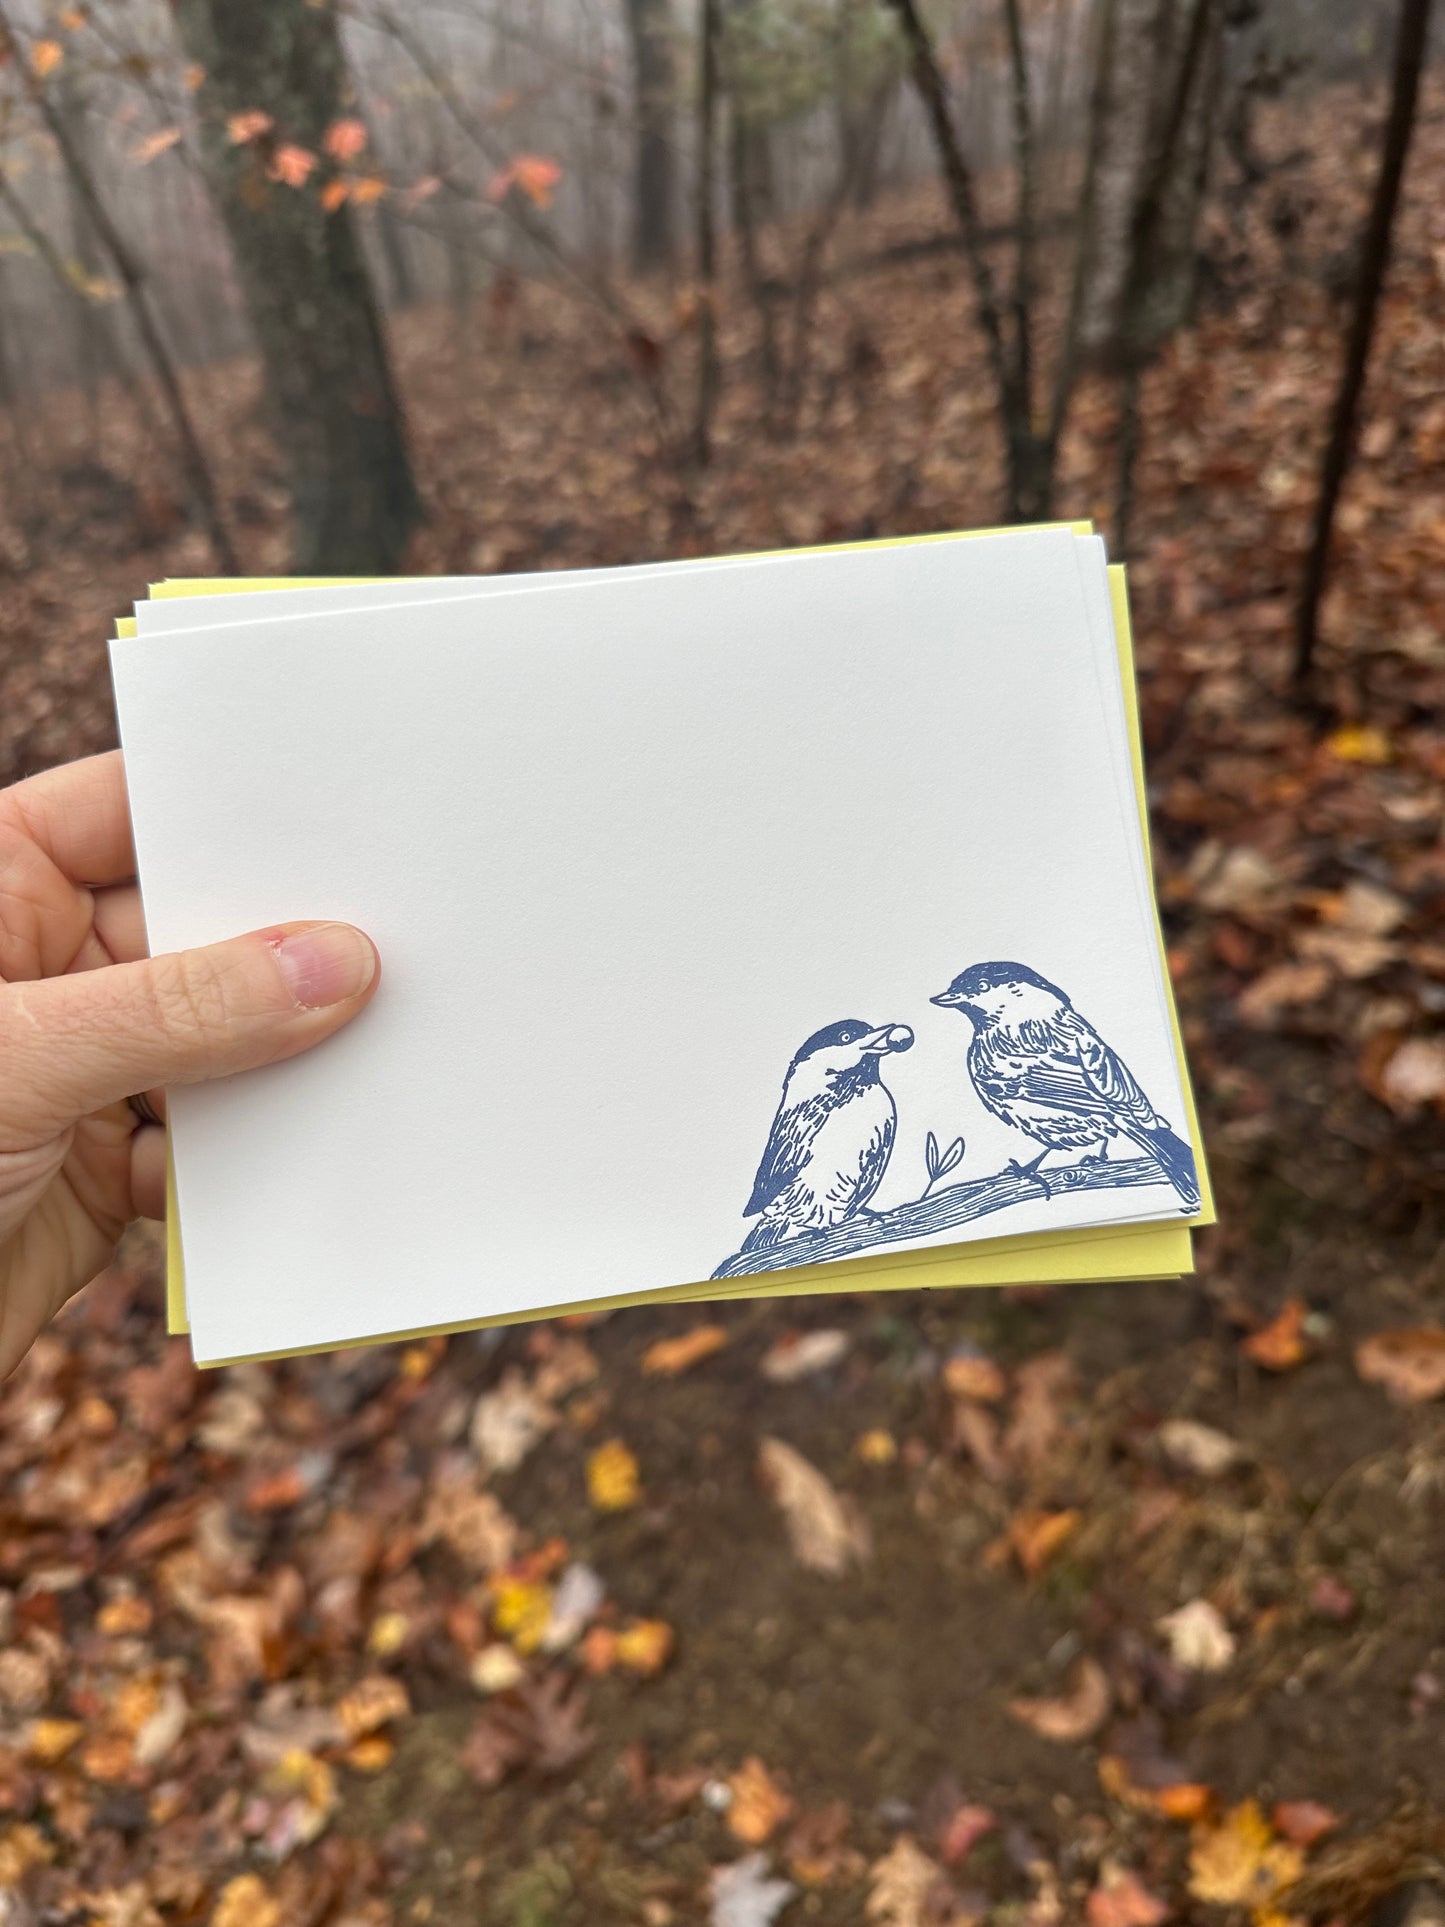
847,1037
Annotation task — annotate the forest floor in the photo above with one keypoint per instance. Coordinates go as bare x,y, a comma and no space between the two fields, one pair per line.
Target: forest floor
1107,1604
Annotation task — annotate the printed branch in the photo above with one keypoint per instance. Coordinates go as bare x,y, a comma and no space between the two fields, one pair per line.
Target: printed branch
944,1211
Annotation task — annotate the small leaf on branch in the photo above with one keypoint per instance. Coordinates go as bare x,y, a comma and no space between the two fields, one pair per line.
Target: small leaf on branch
344,139
250,126
155,144
45,57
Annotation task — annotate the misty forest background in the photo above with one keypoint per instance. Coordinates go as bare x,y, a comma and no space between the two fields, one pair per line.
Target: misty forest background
1114,1605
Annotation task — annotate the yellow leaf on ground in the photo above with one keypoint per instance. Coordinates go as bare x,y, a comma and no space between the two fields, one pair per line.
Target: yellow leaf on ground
1360,743
644,1647
759,1805
670,1357
50,1740
613,1478
245,1902
1239,1863
522,1612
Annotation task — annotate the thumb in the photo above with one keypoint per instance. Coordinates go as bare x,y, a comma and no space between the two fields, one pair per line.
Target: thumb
75,1044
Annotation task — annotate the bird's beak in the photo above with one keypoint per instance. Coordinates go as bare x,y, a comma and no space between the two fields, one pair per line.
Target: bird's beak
889,1037
949,999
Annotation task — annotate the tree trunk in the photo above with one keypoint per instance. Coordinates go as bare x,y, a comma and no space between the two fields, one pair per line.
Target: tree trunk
649,22
1410,46
707,361
334,405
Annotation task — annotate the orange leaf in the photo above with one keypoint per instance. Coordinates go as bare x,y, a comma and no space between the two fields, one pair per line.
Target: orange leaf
45,57
72,19
333,194
1037,1536
366,189
1121,1900
292,164
250,126
759,1805
644,1647
1280,1345
670,1357
531,174
155,144
344,139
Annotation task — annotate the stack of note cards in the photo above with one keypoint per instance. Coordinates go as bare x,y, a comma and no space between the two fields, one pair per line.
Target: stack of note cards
766,926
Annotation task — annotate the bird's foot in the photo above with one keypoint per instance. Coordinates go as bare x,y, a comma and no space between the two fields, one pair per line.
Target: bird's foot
1017,1170
1101,1156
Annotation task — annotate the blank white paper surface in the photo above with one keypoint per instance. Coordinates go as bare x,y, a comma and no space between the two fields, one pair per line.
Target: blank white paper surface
623,846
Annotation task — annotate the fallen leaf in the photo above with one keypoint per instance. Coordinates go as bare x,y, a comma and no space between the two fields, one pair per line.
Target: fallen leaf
1360,743
613,1477
1036,1536
1280,1345
876,1447
1239,1863
1368,908
1121,1900
742,1895
1039,1387
1284,987
1303,1822
670,1357
1414,1073
1198,1448
246,1902
48,1741
522,1611
576,1601
371,1704
1074,1715
496,1669
758,1806
160,1733
963,1830
644,1646
907,1889
1198,1638
800,1354
1354,953
968,1374
1409,1363
825,1529
473,1522
508,1422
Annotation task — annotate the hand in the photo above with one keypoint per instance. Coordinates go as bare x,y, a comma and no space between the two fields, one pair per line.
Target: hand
87,1020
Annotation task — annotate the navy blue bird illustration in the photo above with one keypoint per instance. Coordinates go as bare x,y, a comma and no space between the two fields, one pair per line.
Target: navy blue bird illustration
832,1137
1041,1067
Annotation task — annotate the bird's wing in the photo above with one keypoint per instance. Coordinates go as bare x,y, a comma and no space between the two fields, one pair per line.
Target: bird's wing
794,1129
1075,1069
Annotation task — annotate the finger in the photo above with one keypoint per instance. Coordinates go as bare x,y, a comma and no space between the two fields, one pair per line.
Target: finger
120,923
79,816
74,1044
148,1172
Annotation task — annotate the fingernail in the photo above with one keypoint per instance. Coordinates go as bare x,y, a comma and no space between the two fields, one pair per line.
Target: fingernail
326,964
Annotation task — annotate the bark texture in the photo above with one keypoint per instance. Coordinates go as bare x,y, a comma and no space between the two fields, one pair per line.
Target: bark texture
654,189
334,405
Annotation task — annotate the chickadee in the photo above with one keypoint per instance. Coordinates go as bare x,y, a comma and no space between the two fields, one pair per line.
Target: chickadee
1044,1069
832,1137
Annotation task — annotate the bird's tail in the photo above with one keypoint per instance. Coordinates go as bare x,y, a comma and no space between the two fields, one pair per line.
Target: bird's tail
1175,1159
766,1233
